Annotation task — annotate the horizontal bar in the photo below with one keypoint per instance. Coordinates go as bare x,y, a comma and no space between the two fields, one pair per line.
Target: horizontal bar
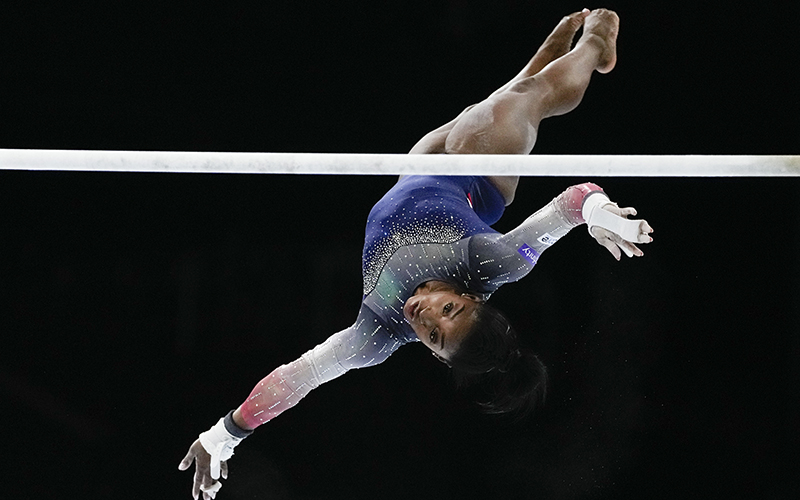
401,164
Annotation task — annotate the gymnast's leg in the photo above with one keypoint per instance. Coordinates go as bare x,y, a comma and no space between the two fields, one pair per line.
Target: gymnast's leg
551,84
508,120
556,45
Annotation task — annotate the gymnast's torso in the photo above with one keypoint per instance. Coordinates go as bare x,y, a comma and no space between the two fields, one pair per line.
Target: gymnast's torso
425,228
422,230
422,209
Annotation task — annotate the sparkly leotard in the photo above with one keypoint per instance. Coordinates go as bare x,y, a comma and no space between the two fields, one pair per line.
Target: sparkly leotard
423,229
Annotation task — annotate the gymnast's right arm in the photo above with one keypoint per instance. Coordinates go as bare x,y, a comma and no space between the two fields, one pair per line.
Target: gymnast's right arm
366,343
588,204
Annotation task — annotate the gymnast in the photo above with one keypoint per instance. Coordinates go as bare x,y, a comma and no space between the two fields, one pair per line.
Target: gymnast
431,259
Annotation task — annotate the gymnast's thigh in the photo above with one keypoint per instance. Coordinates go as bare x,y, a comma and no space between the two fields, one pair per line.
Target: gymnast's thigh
504,123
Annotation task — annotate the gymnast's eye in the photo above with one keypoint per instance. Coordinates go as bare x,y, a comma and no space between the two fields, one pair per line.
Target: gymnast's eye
448,307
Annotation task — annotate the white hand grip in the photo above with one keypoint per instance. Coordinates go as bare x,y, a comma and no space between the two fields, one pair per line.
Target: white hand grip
219,443
627,229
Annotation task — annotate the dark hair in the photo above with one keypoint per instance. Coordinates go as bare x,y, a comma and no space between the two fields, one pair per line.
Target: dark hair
514,378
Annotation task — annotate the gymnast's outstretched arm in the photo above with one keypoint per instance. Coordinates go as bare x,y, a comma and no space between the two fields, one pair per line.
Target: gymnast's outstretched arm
366,343
584,203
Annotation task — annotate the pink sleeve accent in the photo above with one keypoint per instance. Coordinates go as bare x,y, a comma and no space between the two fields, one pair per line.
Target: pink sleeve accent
358,346
276,393
570,202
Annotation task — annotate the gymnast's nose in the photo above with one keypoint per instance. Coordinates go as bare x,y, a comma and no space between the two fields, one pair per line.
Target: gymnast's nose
423,317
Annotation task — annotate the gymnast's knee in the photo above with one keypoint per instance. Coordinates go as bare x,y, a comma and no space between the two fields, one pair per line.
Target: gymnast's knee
499,125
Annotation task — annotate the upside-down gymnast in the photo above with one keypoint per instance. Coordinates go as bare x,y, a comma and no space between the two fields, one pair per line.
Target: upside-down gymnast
431,259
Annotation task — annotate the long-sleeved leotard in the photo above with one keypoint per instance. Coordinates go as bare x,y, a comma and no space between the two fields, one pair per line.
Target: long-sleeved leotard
423,229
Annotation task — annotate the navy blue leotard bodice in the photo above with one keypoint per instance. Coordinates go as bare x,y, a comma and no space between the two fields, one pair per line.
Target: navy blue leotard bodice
421,209
412,236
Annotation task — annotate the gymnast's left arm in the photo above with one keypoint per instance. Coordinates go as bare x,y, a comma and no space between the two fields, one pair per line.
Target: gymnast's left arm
588,204
363,344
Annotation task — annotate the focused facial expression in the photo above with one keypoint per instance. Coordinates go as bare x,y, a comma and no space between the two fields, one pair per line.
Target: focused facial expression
441,319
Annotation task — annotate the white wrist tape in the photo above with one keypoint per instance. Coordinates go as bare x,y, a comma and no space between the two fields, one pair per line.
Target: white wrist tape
219,443
595,216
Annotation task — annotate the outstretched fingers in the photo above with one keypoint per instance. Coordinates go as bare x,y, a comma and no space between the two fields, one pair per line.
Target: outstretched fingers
203,482
185,464
618,233
629,248
610,246
187,460
207,483
643,235
210,491
644,232
614,243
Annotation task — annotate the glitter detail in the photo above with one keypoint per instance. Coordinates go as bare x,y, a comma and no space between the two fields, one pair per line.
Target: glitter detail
402,233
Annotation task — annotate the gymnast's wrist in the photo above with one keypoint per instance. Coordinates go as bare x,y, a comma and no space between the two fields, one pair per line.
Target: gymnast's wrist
594,200
233,428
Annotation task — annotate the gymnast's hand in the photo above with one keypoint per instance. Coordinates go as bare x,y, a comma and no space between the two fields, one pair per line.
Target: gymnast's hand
635,231
203,482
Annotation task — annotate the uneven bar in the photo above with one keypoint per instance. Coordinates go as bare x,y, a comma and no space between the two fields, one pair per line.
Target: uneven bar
401,164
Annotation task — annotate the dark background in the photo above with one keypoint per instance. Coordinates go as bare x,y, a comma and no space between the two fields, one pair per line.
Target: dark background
137,309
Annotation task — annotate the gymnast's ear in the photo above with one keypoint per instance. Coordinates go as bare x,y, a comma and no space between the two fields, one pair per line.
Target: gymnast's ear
474,297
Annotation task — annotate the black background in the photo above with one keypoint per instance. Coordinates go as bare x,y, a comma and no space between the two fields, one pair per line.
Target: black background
137,309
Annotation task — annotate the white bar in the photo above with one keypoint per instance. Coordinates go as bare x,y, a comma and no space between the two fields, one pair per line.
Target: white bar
401,164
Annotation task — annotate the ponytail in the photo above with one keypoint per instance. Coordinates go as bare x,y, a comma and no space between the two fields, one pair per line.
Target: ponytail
513,378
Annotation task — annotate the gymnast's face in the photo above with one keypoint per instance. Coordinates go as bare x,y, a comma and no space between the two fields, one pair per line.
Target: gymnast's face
441,319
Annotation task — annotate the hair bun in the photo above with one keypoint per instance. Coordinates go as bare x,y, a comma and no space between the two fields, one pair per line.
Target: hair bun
512,358
514,379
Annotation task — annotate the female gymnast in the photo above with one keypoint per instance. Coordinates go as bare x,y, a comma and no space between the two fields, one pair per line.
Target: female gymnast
431,259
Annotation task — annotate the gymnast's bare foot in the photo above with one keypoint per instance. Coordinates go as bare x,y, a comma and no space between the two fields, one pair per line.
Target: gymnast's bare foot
604,24
559,42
